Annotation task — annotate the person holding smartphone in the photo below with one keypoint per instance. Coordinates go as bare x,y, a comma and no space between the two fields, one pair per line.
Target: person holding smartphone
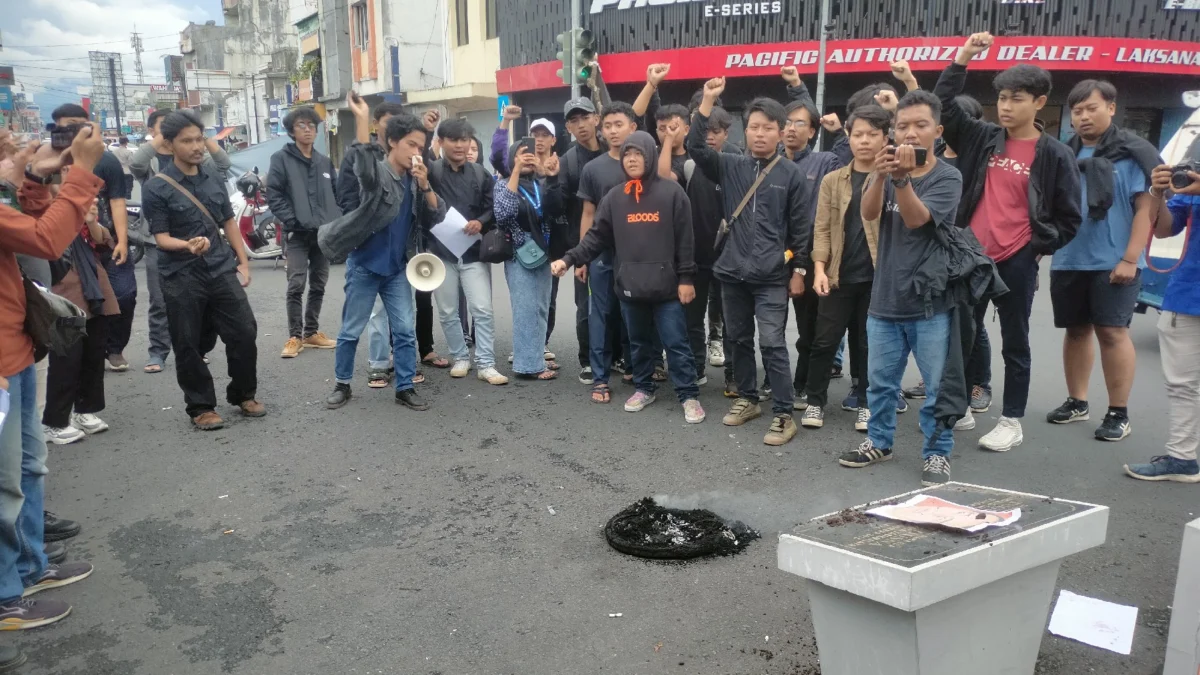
912,194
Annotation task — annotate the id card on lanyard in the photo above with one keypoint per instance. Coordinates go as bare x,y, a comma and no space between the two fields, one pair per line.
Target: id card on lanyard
535,200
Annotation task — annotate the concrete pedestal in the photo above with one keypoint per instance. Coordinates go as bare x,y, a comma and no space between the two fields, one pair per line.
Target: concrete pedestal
890,597
1183,648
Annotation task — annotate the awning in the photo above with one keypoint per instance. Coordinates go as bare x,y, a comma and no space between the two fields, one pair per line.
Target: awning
224,133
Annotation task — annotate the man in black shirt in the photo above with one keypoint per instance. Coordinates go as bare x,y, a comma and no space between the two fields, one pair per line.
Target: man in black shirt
199,273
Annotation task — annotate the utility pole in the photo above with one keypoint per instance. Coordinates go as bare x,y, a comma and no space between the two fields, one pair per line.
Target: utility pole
821,64
112,81
254,97
575,12
135,41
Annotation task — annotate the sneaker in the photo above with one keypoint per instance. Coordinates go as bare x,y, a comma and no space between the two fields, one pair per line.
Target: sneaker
88,423
800,400
410,399
835,371
966,423
638,401
252,408
460,369
319,340
764,394
731,390
292,348
852,403
491,376
936,471
341,396
56,552
116,363
1006,436
57,576
743,411
208,421
585,376
813,417
22,614
863,421
981,398
716,353
702,380
901,405
865,454
57,529
62,435
548,355
618,366
916,393
692,412
1073,410
510,357
783,429
1165,467
1115,427
11,658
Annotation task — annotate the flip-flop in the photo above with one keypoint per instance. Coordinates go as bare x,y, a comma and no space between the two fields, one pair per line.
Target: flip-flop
432,359
419,378
153,368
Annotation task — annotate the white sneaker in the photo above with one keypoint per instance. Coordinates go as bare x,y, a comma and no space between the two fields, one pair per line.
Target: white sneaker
716,354
1006,436
62,435
967,423
492,376
88,423
460,369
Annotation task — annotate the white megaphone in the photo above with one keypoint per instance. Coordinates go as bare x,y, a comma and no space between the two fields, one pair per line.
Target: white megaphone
425,272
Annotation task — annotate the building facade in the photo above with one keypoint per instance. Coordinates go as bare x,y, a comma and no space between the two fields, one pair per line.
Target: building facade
1150,51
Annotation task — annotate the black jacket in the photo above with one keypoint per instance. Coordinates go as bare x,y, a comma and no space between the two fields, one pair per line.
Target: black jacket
1114,145
469,191
1054,188
378,204
649,224
774,221
300,189
347,185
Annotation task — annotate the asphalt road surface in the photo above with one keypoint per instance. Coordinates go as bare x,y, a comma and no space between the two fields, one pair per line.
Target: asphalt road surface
375,539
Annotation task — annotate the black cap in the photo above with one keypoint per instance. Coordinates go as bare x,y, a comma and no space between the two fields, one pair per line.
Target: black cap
582,103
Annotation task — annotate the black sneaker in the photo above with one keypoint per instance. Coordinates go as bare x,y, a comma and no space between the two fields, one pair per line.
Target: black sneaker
1073,410
731,390
57,576
11,658
865,454
585,376
1115,427
813,418
799,400
901,405
410,399
764,394
619,366
936,471
835,372
981,398
916,393
55,553
339,397
21,614
57,528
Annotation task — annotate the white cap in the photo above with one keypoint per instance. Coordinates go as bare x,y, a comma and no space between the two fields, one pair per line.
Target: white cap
542,122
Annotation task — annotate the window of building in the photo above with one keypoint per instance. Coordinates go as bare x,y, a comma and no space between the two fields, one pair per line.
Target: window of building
460,14
493,31
362,26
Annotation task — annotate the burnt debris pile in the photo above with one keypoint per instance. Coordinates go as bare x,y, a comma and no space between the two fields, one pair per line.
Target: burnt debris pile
647,530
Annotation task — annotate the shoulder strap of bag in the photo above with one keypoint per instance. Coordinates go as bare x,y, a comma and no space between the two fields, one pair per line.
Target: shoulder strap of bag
689,169
186,193
753,188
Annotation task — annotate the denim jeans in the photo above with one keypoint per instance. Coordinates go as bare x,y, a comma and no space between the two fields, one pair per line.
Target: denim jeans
362,287
604,318
582,300
475,280
648,321
767,304
888,346
379,338
529,292
156,315
22,474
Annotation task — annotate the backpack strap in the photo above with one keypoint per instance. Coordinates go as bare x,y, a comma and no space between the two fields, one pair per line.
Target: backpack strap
689,169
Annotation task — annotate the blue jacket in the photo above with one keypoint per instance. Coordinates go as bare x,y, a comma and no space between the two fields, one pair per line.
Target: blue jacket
1183,290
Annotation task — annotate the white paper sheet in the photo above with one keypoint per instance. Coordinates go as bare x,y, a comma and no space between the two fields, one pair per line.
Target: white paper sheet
450,233
927,510
1094,622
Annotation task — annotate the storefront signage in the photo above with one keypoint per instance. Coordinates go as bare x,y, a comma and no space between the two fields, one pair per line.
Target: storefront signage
859,56
1181,4
711,8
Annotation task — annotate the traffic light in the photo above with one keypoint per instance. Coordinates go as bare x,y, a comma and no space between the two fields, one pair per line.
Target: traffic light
576,63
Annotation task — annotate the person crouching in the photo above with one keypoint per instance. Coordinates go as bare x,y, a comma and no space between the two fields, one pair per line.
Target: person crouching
649,223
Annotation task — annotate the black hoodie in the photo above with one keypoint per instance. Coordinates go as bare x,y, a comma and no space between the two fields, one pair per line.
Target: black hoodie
649,223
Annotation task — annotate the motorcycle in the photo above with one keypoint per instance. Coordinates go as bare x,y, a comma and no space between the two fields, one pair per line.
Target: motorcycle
262,233
133,211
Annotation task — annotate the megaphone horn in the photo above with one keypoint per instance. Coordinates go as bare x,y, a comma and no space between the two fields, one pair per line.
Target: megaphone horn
425,272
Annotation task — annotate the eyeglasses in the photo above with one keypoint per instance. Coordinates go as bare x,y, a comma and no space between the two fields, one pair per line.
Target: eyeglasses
799,124
305,126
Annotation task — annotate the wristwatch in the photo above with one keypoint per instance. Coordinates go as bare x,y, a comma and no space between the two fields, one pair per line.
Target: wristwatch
901,182
30,175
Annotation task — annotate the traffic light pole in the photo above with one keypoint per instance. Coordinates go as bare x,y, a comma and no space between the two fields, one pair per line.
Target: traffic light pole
575,12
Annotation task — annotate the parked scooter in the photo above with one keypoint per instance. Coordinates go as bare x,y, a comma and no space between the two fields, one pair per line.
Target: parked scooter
262,233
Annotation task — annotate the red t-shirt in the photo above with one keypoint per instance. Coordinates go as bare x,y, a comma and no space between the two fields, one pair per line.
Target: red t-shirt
1001,220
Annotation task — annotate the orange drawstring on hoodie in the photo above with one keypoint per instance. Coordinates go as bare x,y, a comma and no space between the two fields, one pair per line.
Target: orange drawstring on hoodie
634,186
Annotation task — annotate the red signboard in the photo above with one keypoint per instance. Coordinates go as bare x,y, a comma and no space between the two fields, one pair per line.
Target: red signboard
872,56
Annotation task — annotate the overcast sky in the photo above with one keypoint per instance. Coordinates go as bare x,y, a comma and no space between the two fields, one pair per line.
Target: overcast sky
47,41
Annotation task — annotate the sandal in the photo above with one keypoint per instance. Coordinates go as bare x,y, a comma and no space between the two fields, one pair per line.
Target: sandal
601,393
627,378
153,368
660,374
552,365
378,379
542,376
419,378
432,359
